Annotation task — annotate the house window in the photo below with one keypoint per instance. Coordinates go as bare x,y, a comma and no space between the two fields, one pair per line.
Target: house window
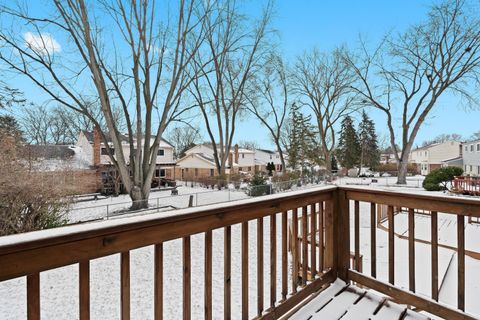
157,173
471,148
465,169
249,168
471,168
104,151
478,169
270,157
161,152
243,155
186,169
162,173
212,172
196,172
466,148
478,147
425,153
240,169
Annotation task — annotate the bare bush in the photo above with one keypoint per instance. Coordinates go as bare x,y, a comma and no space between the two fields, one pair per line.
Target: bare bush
29,200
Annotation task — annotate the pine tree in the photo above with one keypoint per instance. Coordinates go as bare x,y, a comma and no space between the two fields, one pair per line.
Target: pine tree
369,151
348,151
300,138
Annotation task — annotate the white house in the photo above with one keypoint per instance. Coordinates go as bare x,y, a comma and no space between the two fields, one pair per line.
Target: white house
471,158
264,156
95,152
434,155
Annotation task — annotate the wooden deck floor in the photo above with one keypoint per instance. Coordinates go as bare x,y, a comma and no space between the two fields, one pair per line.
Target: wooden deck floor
348,302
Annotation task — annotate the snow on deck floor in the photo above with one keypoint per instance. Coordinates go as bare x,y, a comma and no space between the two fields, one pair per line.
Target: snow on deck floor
349,302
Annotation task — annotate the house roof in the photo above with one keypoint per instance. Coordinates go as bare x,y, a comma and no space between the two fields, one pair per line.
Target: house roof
123,138
453,159
89,136
62,152
266,151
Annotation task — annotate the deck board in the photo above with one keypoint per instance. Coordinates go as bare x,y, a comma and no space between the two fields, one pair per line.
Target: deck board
348,302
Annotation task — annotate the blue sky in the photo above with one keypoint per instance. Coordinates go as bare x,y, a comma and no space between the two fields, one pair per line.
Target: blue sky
325,24
304,24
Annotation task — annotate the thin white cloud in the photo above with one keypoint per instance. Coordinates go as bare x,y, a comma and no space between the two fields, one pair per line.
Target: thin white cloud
42,43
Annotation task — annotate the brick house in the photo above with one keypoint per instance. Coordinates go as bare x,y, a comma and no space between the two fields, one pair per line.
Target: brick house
199,163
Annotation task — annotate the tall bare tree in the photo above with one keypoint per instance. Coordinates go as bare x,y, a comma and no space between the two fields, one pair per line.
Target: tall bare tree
323,83
407,75
269,100
183,138
117,52
232,53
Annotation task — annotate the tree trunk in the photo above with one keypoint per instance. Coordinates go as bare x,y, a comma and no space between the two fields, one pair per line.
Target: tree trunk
139,198
402,172
328,166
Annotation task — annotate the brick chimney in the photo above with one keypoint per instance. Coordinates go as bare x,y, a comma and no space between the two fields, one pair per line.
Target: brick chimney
96,146
236,153
230,160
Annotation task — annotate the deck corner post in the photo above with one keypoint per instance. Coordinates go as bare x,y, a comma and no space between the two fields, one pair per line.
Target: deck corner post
341,223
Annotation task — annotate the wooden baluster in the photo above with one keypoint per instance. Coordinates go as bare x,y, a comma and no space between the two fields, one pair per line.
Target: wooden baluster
321,233
245,270
187,283
158,281
260,281
434,247
313,240
294,243
33,296
461,261
391,246
304,245
373,240
273,260
84,289
411,249
357,234
208,275
284,256
125,284
227,271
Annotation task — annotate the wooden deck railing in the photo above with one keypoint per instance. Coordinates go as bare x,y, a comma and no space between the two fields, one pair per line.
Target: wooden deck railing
315,260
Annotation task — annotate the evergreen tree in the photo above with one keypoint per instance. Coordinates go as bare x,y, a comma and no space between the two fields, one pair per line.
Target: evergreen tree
10,127
300,138
348,151
369,150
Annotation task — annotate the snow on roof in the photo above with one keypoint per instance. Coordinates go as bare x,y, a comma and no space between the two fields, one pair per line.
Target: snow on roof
266,151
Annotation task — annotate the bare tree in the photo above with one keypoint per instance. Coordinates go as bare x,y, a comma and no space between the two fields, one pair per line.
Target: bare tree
145,69
269,100
323,84
183,138
226,63
443,138
405,76
248,144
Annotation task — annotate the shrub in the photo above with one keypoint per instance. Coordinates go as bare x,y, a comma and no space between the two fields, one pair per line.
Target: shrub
438,179
392,168
29,199
258,186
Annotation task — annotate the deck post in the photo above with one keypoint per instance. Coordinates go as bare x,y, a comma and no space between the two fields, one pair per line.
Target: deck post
342,234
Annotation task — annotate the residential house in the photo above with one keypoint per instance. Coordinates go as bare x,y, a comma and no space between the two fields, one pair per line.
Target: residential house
62,164
432,156
94,152
471,158
264,156
199,163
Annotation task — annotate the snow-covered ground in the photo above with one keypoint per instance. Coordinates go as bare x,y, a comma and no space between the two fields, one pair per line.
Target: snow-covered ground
59,287
159,201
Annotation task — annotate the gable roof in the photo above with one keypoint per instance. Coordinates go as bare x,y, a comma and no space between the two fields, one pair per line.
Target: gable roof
62,152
